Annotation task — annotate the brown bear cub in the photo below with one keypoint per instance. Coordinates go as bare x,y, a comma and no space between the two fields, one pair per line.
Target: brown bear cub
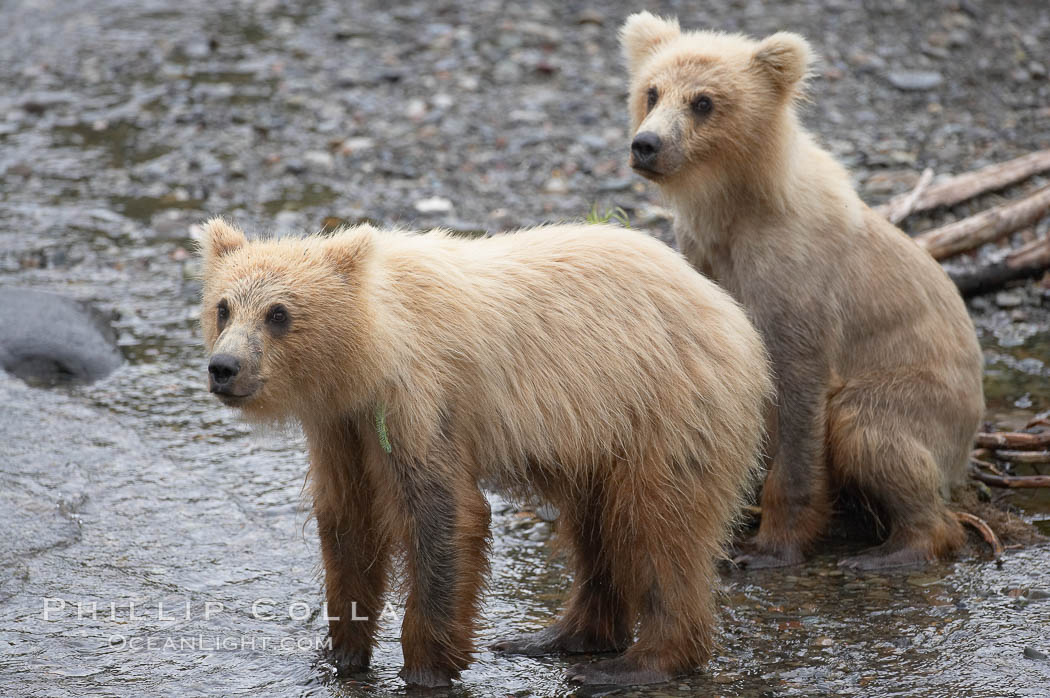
876,362
587,364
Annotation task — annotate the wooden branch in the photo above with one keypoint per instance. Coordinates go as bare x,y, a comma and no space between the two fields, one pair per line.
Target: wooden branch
1010,481
989,466
899,208
966,186
985,530
985,226
1035,251
1024,456
1026,262
1018,441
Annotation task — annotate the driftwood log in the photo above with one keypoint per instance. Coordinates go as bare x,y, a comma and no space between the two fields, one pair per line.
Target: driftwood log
1011,481
1026,262
1010,447
965,186
1023,456
986,226
1013,440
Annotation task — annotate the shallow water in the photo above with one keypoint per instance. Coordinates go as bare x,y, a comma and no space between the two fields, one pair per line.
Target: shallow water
124,127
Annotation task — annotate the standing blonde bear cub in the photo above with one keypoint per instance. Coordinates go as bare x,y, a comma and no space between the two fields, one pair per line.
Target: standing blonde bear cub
588,364
876,362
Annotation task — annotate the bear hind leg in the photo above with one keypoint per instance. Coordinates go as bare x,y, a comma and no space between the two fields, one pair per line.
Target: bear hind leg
598,617
895,473
672,547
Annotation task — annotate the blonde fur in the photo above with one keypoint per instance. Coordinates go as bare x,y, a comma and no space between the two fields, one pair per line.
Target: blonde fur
876,360
587,363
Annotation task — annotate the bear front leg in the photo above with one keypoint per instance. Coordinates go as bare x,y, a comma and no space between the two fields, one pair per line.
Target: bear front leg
354,549
446,540
795,502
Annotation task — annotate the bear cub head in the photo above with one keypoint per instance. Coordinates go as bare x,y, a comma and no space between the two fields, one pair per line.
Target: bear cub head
281,319
705,101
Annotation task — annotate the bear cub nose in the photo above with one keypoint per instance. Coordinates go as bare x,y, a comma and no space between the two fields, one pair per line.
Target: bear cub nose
644,148
222,369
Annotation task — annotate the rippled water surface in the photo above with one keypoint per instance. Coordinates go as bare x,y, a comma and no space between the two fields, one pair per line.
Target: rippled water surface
183,534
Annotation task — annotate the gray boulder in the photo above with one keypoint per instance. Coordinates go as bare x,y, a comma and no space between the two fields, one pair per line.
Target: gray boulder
47,338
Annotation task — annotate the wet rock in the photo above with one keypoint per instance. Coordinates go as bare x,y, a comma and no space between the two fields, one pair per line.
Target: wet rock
46,338
416,109
1020,75
319,160
355,145
506,72
434,204
1008,299
915,80
590,16
867,62
37,103
556,185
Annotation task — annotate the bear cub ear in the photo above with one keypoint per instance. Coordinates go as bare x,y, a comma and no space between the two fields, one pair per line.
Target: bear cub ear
784,58
347,249
642,33
220,238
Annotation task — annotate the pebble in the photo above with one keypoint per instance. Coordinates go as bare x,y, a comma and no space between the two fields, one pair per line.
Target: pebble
556,185
866,61
1033,653
590,16
319,160
915,80
416,109
506,72
1008,299
1020,75
287,221
353,145
434,204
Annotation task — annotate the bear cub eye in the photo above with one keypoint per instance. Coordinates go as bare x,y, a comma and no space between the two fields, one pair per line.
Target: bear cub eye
703,105
651,96
222,314
277,318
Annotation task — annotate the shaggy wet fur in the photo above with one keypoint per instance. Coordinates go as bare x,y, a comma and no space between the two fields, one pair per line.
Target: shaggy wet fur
876,362
587,364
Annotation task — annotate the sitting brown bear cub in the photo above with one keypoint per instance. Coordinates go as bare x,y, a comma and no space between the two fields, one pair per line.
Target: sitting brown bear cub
876,362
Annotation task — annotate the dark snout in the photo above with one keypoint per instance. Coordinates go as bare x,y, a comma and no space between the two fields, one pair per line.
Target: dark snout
222,370
644,149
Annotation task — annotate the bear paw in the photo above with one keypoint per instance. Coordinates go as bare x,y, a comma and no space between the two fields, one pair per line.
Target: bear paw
426,677
619,672
885,556
754,555
552,640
